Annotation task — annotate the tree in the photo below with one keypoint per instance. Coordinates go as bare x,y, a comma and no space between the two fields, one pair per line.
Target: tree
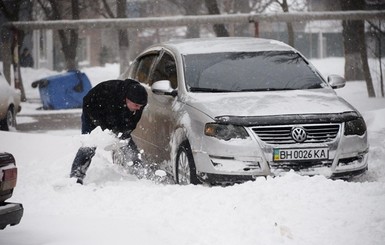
356,59
121,7
59,10
190,8
285,6
11,43
257,6
242,7
290,30
219,29
193,7
377,32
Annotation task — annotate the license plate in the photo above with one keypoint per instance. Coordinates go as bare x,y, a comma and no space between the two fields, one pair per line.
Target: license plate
300,154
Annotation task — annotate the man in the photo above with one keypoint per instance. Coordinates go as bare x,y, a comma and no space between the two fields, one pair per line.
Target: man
116,105
26,59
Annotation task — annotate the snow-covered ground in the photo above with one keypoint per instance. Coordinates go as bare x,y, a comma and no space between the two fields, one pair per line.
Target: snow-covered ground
115,208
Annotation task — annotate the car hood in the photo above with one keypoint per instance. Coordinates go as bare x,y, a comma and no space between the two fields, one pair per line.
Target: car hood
269,103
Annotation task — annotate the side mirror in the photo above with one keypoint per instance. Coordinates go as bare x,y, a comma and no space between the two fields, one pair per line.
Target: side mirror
163,87
336,81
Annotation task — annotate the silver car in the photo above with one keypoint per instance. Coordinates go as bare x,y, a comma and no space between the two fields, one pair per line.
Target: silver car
9,105
228,110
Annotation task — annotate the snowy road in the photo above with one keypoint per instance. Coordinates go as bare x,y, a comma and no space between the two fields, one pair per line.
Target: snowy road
48,122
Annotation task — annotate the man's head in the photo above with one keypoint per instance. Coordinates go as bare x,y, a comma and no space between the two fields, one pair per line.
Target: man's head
136,95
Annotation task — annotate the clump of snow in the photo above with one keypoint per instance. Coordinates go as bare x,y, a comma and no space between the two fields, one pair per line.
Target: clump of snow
99,138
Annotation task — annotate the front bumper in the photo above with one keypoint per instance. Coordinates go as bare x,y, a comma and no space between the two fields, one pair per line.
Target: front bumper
238,170
10,214
229,179
246,159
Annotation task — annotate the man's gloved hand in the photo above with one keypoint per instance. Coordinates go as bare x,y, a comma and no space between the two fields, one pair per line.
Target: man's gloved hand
125,135
133,156
137,162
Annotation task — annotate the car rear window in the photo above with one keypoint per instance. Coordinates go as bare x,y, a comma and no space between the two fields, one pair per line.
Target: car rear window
249,71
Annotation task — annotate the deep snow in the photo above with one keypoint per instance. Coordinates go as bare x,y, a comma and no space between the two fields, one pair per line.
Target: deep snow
114,207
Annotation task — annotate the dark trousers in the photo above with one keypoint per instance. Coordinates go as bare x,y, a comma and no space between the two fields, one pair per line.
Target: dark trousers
82,162
84,155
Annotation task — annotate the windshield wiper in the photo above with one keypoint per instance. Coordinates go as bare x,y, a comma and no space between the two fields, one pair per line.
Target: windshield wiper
314,86
265,89
209,90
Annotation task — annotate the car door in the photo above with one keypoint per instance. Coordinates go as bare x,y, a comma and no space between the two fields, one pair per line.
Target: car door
159,111
140,70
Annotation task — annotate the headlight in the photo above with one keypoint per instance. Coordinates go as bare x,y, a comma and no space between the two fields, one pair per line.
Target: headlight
355,127
225,131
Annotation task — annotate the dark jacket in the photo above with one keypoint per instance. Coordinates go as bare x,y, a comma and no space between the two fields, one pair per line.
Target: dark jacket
26,60
105,106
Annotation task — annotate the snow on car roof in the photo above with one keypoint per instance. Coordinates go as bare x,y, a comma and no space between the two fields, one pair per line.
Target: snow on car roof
225,44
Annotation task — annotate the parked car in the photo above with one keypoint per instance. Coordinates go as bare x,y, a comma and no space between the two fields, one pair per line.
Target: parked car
10,213
9,105
228,110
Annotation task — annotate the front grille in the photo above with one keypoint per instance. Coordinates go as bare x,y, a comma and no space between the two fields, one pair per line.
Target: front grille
317,133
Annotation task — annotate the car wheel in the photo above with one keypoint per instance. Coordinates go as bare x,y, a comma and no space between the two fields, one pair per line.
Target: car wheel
185,166
9,122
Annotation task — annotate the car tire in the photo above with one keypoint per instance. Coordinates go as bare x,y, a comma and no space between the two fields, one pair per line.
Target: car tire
185,166
9,122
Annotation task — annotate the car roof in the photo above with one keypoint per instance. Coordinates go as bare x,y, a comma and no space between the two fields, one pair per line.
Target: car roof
224,44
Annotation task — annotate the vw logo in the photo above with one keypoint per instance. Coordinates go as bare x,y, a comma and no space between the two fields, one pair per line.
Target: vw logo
298,135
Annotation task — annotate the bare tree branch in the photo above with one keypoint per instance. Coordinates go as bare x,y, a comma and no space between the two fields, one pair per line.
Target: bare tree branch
11,14
375,27
108,9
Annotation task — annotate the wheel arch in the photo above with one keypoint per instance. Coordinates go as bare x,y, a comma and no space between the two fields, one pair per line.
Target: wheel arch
4,122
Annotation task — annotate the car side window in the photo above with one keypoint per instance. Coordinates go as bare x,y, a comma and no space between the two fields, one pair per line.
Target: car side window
165,70
143,67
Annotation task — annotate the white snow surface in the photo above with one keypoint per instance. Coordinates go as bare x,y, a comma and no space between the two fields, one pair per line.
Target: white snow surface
235,44
265,103
114,207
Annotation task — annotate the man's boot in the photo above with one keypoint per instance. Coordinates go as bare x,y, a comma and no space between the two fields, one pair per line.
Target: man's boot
81,163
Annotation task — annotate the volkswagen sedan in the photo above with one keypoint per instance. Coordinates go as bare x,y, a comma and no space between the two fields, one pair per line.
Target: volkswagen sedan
228,110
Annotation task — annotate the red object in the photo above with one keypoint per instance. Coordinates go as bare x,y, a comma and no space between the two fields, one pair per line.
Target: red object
9,179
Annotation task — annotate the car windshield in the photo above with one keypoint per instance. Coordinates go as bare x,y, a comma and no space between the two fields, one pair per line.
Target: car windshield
249,71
